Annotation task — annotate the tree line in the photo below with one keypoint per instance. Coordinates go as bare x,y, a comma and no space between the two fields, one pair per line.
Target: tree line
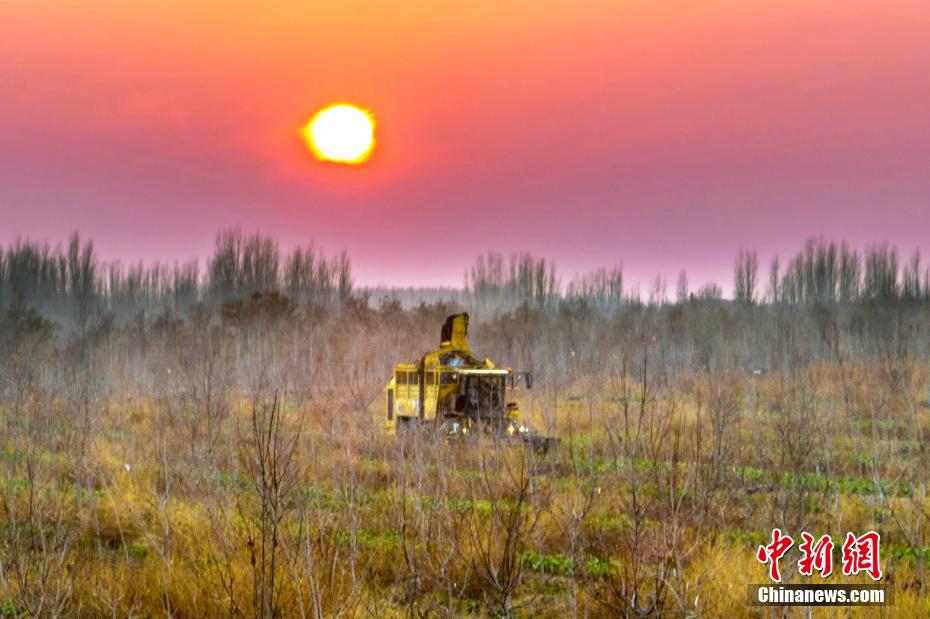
73,286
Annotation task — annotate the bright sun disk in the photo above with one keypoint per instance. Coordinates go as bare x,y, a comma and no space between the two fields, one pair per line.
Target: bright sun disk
341,133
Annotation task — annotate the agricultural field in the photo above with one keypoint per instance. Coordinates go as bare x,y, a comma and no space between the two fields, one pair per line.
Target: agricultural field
223,457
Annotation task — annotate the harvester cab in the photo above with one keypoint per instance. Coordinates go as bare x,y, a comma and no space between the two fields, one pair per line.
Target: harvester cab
453,393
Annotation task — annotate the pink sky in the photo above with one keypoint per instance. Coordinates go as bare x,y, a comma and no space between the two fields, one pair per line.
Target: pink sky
660,134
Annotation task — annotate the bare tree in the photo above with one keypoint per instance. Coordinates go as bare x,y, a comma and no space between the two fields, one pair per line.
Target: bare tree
744,277
773,294
503,509
681,289
267,449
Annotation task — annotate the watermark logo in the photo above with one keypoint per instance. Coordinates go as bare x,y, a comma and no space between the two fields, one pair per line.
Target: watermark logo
772,553
859,555
817,556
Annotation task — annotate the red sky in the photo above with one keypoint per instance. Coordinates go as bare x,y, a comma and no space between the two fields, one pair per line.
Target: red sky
661,134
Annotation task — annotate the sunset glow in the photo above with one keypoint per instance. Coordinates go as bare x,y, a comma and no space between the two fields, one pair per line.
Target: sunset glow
663,135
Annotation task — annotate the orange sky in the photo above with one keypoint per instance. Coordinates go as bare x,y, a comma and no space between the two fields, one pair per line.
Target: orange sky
661,134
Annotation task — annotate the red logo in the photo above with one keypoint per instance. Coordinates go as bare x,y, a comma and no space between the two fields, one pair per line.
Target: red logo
773,552
817,556
860,554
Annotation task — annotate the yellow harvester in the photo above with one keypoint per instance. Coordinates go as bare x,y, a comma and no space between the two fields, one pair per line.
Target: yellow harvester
454,393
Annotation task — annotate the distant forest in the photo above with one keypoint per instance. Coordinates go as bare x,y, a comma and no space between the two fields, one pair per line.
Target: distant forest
76,289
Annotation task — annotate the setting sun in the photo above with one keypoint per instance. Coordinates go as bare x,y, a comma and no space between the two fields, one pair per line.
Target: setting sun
341,133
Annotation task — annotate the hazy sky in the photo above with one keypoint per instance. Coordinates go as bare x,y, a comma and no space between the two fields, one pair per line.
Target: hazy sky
661,134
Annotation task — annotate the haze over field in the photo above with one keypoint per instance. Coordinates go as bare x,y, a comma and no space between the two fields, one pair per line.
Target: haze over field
665,135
